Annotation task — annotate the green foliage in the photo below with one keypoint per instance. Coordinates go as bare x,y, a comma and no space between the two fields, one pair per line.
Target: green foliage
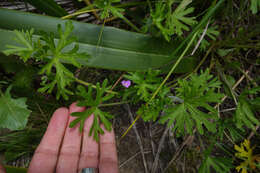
20,143
254,6
196,94
26,45
12,169
211,34
219,164
92,105
171,22
244,114
52,52
227,126
144,85
13,112
108,8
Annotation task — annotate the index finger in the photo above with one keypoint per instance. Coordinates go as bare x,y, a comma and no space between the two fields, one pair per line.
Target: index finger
46,154
2,169
108,161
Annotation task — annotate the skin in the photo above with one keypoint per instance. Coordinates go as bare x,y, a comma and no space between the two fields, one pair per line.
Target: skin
66,150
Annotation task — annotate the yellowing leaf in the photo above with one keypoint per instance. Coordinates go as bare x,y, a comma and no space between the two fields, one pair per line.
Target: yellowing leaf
245,152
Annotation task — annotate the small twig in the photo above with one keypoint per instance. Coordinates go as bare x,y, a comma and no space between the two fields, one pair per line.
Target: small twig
227,110
132,157
118,80
234,87
153,145
188,140
229,138
137,137
201,38
204,58
151,136
156,160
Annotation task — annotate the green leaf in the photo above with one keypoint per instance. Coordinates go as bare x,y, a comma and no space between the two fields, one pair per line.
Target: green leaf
144,84
44,48
13,112
108,8
244,115
179,20
63,76
26,48
49,7
219,164
92,104
171,22
11,169
196,93
255,4
114,49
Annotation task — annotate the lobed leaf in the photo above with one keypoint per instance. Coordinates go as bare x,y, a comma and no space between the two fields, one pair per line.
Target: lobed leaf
13,112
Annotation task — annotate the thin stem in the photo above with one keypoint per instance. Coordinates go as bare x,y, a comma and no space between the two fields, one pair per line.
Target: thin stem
174,67
91,6
91,9
92,85
113,104
79,12
166,78
131,24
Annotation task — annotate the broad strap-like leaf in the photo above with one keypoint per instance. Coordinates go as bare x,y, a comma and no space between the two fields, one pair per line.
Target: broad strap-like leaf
114,49
13,112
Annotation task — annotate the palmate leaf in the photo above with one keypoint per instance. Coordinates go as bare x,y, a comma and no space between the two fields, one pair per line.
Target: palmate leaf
219,164
171,22
196,94
178,21
144,84
92,104
63,76
45,48
108,8
244,114
13,112
245,152
26,48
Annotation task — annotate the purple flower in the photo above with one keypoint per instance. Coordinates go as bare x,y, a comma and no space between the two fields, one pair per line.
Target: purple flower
126,83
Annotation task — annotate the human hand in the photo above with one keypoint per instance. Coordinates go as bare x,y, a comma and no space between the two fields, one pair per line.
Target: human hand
66,150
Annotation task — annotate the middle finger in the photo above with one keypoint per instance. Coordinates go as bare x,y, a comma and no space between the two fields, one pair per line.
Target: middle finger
70,150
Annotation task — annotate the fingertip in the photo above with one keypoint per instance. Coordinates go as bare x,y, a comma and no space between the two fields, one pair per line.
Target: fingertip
108,136
61,111
74,108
